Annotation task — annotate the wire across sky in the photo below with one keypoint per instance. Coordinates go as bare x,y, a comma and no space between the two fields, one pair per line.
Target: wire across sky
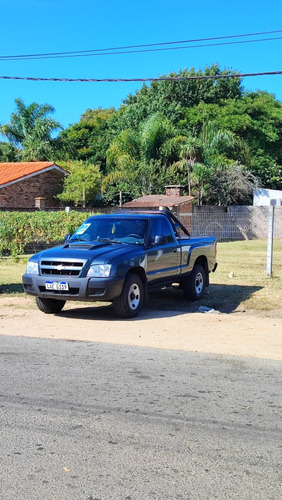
149,47
116,80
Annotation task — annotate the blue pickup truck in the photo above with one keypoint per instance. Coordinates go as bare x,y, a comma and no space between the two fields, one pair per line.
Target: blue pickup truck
120,258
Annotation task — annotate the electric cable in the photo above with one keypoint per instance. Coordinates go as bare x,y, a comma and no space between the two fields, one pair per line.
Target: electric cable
154,79
160,45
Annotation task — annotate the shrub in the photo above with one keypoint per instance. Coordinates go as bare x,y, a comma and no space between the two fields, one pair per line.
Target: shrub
18,229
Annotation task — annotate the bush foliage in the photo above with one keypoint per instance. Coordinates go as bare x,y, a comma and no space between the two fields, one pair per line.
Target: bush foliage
18,229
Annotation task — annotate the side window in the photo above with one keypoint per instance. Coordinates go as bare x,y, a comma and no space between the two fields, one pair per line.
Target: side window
160,227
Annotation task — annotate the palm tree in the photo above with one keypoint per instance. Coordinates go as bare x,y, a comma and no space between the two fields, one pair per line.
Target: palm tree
154,133
189,154
30,129
134,157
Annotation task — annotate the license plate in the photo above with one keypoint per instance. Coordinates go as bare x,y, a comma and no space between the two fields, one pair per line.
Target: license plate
56,285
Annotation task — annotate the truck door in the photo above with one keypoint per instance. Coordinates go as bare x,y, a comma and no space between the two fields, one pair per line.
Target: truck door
164,257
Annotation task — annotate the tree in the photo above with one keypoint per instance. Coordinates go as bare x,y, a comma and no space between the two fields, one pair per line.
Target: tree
82,185
171,98
256,121
154,134
136,159
201,180
231,184
89,139
8,152
30,130
189,154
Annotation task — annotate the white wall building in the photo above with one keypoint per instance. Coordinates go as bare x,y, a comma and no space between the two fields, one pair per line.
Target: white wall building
267,197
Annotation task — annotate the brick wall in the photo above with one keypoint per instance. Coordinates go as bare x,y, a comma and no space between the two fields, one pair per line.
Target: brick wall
184,214
22,194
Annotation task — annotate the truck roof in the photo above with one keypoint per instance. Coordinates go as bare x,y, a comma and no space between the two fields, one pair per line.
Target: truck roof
145,214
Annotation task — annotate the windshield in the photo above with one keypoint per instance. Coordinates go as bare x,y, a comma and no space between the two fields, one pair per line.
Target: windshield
131,231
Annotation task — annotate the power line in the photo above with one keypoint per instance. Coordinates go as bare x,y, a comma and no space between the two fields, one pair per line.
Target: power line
169,78
141,48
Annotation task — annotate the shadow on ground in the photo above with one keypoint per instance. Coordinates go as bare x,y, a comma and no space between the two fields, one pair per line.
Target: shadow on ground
169,302
11,288
223,298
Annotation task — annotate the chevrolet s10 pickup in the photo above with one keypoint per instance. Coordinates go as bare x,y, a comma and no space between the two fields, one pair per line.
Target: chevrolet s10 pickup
120,258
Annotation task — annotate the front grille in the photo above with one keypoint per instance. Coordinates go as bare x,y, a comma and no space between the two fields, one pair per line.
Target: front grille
59,267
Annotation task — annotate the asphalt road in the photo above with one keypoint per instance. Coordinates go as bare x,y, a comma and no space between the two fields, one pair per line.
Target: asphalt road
89,421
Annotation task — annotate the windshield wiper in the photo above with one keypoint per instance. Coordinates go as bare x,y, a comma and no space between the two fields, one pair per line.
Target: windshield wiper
110,240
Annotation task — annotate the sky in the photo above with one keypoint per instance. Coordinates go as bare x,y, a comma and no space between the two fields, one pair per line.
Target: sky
48,26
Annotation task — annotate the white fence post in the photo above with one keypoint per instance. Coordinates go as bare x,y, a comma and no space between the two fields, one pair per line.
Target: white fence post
270,231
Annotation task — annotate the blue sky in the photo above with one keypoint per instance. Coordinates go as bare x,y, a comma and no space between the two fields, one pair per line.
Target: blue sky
44,26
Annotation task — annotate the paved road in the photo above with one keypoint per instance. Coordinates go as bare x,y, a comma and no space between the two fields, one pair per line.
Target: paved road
85,421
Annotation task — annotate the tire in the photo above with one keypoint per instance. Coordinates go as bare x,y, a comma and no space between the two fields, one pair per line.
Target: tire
50,306
130,301
194,286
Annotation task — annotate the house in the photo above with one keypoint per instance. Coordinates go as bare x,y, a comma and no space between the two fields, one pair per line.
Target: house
30,184
180,205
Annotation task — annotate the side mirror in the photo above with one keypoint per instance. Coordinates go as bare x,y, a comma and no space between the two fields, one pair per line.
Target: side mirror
160,239
67,237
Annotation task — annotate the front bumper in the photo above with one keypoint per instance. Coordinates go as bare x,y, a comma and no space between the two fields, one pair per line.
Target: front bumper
86,289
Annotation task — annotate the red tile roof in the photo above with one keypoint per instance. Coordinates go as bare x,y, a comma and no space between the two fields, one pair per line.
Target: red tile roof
157,200
16,171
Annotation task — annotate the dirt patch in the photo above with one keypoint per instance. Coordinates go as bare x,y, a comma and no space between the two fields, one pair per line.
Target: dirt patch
237,333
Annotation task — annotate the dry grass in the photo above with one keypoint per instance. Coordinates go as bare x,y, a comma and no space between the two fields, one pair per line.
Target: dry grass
239,282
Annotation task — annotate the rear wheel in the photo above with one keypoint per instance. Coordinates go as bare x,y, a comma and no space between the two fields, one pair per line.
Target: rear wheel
50,306
194,286
130,301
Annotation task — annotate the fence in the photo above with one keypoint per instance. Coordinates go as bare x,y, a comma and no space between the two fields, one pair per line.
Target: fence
235,222
231,223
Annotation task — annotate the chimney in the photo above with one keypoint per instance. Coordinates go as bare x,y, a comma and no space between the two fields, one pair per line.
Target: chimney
174,190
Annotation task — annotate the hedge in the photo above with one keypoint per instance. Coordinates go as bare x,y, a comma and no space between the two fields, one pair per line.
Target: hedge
19,229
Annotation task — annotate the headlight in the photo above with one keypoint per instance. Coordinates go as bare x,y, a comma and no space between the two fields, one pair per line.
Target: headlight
32,267
99,271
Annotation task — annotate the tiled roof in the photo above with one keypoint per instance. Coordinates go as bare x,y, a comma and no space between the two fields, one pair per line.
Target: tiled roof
16,171
157,200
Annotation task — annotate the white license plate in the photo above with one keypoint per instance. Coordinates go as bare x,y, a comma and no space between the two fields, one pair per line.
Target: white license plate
56,285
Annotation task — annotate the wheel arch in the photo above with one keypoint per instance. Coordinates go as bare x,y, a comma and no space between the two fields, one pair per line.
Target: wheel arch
142,275
139,271
203,261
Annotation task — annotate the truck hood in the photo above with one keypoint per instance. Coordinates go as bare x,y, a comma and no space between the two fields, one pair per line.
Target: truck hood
97,252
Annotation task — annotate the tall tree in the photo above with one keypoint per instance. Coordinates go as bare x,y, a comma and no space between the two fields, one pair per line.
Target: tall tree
30,129
136,158
89,139
171,97
191,152
82,185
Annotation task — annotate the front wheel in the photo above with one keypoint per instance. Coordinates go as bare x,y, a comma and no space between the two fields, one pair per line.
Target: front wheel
50,306
194,286
130,301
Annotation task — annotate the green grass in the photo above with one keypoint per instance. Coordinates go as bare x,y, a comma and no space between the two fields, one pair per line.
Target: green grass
241,275
11,271
239,282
